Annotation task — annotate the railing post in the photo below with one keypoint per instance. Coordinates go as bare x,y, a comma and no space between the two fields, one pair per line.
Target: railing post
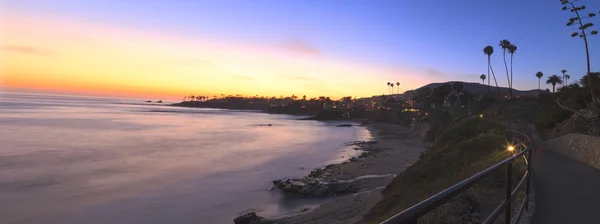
508,192
529,160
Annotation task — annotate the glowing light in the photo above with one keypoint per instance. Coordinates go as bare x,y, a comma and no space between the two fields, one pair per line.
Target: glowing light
511,148
481,115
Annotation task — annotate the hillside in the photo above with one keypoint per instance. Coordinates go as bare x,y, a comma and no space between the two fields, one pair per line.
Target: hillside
479,88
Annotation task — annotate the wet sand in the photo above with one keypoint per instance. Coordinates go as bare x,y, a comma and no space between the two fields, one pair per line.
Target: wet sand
396,149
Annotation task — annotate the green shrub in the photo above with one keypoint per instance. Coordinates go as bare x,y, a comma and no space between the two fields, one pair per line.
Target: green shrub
465,129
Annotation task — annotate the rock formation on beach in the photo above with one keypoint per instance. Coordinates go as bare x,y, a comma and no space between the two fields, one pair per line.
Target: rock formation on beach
312,187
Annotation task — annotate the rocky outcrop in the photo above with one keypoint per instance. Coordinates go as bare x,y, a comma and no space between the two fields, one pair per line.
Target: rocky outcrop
310,187
584,148
249,218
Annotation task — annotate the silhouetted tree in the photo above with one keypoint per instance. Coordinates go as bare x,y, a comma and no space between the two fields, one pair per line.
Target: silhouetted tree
440,93
466,97
392,85
489,50
482,77
421,97
388,84
452,99
505,44
553,80
398,86
567,77
563,72
539,75
511,49
568,4
457,87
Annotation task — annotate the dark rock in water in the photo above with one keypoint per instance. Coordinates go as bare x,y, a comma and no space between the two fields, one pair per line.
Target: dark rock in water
344,125
148,101
248,218
160,101
269,125
309,187
361,143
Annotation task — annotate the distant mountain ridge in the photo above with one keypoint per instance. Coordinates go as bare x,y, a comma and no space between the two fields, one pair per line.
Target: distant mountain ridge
480,88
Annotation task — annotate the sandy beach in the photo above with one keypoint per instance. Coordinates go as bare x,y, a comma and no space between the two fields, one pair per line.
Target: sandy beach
395,148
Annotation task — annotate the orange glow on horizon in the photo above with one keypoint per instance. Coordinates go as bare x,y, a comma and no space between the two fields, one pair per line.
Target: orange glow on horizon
62,55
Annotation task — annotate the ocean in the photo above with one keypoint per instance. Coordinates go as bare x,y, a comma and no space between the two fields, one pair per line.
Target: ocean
75,159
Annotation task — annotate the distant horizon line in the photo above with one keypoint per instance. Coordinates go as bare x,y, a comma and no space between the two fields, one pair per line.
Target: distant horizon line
80,94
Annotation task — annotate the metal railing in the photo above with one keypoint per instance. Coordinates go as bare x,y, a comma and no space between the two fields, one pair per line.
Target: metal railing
521,144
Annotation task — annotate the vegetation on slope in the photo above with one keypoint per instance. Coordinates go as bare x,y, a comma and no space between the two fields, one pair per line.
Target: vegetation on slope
456,154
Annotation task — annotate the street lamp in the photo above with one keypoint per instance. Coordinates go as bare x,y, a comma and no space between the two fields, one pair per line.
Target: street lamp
511,148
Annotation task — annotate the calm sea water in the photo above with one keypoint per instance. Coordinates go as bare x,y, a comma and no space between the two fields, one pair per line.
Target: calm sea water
69,159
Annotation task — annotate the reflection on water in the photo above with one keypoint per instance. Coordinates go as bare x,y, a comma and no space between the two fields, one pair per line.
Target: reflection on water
67,159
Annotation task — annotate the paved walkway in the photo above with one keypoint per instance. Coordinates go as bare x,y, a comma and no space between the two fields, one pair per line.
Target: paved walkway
566,191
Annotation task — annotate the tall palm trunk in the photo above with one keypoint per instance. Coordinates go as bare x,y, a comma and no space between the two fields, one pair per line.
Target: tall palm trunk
507,77
539,80
488,74
493,75
511,74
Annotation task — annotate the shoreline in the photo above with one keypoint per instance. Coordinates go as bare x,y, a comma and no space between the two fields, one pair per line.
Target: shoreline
391,150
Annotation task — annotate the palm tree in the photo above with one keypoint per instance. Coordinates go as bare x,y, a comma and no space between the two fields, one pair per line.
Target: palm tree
192,97
511,49
505,44
489,50
398,86
567,77
389,83
539,75
563,71
553,80
392,85
482,77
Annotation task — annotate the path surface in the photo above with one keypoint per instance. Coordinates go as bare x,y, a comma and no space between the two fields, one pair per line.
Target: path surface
567,191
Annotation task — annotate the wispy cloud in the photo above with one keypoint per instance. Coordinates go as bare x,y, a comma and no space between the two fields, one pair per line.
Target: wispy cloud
295,77
243,77
29,50
434,73
301,47
196,62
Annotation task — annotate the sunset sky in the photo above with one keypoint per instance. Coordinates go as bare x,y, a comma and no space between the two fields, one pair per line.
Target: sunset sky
170,48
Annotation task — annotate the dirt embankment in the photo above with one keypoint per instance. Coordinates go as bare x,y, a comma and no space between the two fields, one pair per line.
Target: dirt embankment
583,148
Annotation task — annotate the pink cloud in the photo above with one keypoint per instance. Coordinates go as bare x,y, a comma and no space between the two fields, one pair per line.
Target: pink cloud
29,50
301,47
